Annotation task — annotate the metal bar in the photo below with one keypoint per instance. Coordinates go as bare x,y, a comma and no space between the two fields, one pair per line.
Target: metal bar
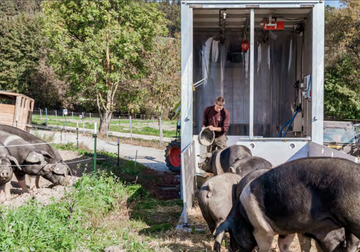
46,117
251,98
199,83
317,75
77,135
94,148
273,2
266,139
118,152
135,158
130,129
248,6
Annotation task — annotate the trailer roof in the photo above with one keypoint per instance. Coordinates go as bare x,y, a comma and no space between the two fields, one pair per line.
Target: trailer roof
236,18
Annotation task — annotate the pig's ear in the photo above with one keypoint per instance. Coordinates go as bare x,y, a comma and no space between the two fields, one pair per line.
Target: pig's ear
14,160
46,154
211,189
33,157
232,170
225,226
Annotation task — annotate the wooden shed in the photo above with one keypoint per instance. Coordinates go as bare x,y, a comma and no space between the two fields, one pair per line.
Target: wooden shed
15,109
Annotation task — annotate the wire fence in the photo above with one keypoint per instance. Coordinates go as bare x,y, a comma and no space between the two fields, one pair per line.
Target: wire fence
136,124
89,115
63,137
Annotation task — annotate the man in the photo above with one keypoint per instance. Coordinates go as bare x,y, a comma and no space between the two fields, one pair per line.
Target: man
217,119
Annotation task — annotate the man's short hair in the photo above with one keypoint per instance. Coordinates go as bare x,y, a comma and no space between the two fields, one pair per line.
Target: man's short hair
220,101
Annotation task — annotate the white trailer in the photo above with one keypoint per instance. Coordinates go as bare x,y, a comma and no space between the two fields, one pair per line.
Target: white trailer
274,91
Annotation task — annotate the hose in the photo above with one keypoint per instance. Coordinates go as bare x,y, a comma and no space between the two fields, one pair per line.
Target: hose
288,124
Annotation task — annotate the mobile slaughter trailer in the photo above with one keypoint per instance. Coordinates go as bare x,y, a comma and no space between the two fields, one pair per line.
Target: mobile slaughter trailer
266,58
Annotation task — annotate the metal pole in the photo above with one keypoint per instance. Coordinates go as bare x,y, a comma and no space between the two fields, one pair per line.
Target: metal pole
130,130
77,135
46,117
83,119
95,148
118,152
135,158
63,120
55,114
251,104
160,129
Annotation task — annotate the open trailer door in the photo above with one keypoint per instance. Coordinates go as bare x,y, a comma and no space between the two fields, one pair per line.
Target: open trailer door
263,73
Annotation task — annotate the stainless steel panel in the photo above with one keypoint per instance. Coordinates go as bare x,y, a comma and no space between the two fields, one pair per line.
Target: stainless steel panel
186,75
270,151
188,175
318,150
251,80
317,76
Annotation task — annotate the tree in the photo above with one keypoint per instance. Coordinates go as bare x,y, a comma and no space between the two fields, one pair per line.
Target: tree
163,86
173,14
342,57
98,46
20,43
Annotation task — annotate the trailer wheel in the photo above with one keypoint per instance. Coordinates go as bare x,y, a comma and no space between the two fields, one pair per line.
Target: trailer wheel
172,156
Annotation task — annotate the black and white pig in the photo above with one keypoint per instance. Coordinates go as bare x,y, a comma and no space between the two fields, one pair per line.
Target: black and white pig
216,197
31,159
60,168
312,196
220,161
249,164
6,172
329,243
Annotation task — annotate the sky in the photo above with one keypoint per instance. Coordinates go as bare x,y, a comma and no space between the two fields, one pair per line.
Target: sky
333,3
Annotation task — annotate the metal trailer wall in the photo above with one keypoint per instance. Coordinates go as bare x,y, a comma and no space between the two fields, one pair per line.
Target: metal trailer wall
273,91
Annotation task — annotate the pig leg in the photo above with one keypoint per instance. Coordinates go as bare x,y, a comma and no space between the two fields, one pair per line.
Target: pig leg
218,240
305,242
21,179
7,191
2,193
352,241
284,242
33,182
263,232
37,181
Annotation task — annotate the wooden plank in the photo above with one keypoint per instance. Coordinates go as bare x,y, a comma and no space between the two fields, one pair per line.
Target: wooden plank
7,108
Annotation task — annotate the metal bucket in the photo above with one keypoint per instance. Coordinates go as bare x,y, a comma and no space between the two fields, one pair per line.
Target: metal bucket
206,137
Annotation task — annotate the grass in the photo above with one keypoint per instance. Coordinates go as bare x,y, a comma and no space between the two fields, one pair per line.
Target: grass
142,127
109,208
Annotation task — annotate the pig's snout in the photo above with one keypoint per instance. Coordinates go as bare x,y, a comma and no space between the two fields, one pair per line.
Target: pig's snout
5,174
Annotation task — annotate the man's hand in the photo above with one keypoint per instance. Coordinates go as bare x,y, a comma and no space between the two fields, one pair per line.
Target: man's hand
212,128
203,127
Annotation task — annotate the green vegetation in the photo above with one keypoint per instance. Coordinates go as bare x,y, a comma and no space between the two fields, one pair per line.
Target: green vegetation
101,210
342,59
